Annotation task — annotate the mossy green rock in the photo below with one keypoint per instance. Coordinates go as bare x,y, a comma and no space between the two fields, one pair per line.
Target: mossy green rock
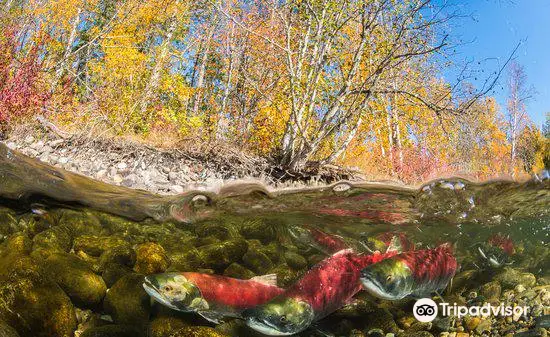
257,261
510,277
381,319
168,322
295,260
17,243
123,255
84,287
113,331
7,331
190,260
237,271
151,259
127,302
285,275
57,238
82,222
258,230
31,303
272,251
490,290
212,230
197,331
220,255
465,279
95,245
8,223
239,328
113,272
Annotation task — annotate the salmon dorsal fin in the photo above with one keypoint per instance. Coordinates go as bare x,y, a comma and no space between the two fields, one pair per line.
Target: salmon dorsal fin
269,279
343,251
395,245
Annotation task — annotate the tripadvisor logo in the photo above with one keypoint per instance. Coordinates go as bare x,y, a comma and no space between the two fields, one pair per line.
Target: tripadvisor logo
426,310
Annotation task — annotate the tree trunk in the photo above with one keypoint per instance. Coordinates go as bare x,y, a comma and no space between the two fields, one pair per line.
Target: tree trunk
222,120
152,85
346,142
202,72
65,58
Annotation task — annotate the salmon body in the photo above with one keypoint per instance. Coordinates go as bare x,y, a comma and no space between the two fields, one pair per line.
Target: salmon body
414,273
211,296
231,292
322,290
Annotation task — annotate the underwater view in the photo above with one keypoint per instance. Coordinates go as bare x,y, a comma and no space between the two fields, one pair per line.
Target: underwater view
83,258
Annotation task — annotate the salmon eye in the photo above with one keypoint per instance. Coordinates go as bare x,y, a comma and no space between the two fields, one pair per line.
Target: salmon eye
167,288
283,318
389,278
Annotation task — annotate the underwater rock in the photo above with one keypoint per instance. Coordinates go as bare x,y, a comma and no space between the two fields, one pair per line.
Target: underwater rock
295,260
257,261
237,271
82,285
122,255
359,308
151,259
406,322
375,333
57,238
187,261
532,333
18,243
417,334
285,275
219,256
258,230
471,322
7,331
8,222
31,303
483,326
272,251
199,242
237,328
113,330
464,279
81,222
381,319
510,278
112,272
95,245
127,302
314,259
197,331
212,230
490,290
166,324
543,322
442,324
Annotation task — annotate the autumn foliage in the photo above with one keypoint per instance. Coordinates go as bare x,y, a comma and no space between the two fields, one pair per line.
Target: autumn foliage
21,93
354,83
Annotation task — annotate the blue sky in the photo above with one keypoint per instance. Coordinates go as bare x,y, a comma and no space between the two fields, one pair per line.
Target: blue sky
494,29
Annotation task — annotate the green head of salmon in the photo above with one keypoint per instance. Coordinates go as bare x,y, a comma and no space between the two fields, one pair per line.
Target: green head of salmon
390,279
175,291
280,317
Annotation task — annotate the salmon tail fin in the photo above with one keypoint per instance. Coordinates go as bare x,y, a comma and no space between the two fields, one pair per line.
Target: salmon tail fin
269,279
395,246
